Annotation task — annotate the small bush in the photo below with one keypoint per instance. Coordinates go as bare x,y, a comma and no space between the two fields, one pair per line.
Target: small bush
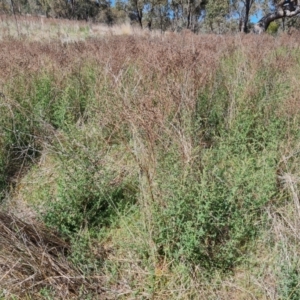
211,214
290,282
86,198
273,28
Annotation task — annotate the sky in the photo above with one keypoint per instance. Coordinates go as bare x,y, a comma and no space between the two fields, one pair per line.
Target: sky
255,18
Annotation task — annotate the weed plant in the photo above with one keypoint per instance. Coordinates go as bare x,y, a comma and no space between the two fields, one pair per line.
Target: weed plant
172,157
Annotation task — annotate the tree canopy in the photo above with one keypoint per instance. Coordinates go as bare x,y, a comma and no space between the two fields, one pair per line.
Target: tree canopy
217,16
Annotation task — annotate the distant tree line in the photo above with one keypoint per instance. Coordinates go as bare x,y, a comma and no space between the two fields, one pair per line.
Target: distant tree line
217,16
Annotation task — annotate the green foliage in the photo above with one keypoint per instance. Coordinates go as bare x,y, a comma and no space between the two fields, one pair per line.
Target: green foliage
41,102
86,198
82,255
82,202
209,116
290,282
210,215
26,122
47,294
216,9
80,10
273,28
216,12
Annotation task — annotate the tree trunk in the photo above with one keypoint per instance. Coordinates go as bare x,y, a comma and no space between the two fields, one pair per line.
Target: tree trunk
283,10
139,13
140,18
246,19
189,15
188,25
73,8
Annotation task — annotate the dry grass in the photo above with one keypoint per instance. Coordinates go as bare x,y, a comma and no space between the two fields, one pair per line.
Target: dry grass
40,28
34,259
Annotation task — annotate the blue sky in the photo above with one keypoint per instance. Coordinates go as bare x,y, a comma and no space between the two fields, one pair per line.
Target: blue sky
255,18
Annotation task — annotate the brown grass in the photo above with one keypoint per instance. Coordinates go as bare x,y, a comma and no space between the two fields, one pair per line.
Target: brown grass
34,258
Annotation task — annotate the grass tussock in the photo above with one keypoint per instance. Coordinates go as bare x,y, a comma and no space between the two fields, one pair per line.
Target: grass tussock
175,155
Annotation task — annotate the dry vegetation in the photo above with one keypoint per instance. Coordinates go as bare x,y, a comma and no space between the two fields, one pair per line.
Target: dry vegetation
35,28
34,258
142,166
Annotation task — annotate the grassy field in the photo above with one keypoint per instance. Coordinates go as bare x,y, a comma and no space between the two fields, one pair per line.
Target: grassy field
135,165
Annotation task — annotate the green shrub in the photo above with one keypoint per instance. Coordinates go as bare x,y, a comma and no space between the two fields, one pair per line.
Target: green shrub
210,215
289,287
273,28
85,196
38,107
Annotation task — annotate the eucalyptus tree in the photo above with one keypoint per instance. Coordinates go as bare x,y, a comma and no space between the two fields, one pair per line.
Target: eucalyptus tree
158,14
186,13
281,9
20,6
134,9
71,9
137,8
289,23
216,13
245,13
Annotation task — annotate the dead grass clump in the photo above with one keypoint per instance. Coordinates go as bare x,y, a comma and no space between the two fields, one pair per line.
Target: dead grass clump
33,258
